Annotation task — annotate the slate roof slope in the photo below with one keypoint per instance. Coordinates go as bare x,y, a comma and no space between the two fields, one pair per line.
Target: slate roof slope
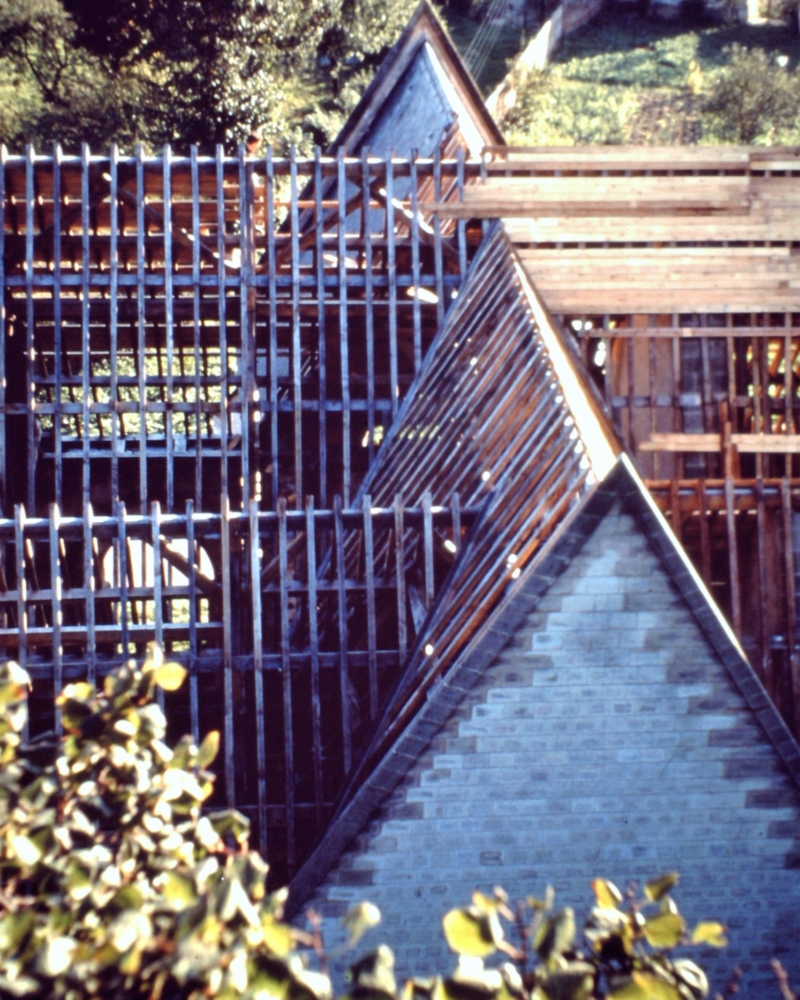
502,393
420,91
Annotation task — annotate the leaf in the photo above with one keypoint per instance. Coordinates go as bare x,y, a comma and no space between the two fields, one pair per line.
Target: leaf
179,889
279,938
626,989
608,895
654,987
55,956
574,982
374,972
169,676
359,919
555,935
664,930
710,932
472,932
208,749
25,850
657,888
693,977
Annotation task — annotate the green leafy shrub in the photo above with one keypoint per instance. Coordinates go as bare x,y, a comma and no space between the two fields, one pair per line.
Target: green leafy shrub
753,98
116,885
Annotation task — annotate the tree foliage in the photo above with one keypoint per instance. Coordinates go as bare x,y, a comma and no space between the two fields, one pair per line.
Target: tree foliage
188,71
116,884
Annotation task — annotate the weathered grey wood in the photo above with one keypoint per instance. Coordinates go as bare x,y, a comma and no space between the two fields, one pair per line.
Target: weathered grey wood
223,324
321,322
227,650
791,596
258,679
427,541
55,604
247,318
341,618
368,294
313,638
286,671
766,593
57,331
417,312
116,422
3,469
297,358
344,347
400,578
30,355
123,570
437,238
391,271
369,579
733,555
170,331
191,558
89,591
158,589
197,339
141,322
461,227
273,329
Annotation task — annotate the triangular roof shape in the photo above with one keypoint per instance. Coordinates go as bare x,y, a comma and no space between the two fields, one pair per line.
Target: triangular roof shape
420,96
503,413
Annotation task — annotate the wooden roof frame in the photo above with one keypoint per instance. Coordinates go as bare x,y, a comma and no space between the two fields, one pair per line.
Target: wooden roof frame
423,26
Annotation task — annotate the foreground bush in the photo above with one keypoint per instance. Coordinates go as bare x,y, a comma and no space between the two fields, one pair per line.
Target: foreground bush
115,884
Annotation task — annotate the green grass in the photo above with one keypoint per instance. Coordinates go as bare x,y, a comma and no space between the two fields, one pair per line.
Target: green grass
507,43
631,78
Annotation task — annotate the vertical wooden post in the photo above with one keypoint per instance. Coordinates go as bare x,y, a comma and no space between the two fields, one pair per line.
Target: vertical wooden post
391,273
313,638
427,538
461,226
344,347
274,404
344,679
400,575
30,353
321,323
297,357
55,590
258,677
113,320
86,335
227,648
141,327
369,581
3,334
733,557
223,325
416,301
705,539
22,588
286,671
791,598
675,505
455,513
370,312
196,340
764,601
158,590
191,558
88,591
437,237
247,317
170,325
122,563
58,346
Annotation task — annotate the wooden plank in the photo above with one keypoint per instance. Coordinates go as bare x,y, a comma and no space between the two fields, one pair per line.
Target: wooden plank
57,328
273,328
224,417
322,337
733,556
400,578
369,580
368,295
227,651
116,419
89,592
297,359
675,441
247,318
170,331
791,599
55,590
766,596
158,596
427,541
196,342
3,469
391,270
30,354
191,580
437,238
286,672
313,638
341,618
141,324
705,539
123,570
258,678
344,347
417,315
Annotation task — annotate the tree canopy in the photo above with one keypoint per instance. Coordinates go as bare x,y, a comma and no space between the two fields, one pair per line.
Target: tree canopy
187,71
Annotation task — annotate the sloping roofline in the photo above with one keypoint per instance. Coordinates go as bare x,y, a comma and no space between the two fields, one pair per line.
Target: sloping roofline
623,483
424,26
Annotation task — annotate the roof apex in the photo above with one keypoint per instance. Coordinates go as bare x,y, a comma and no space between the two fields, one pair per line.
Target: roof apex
423,26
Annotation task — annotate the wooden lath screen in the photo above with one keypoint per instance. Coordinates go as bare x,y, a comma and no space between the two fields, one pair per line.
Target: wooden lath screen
487,418
744,539
181,327
700,395
289,652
